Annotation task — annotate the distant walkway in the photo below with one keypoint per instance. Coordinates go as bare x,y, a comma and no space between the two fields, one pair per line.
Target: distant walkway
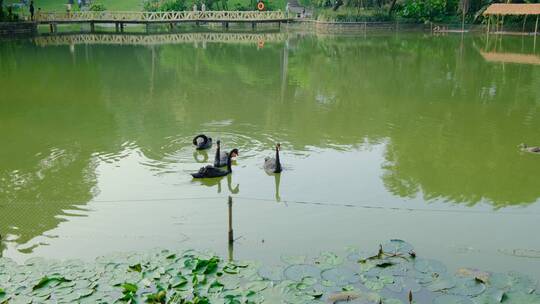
121,18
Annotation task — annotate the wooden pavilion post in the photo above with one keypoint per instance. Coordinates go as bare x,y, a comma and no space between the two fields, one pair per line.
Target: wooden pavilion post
535,32
536,26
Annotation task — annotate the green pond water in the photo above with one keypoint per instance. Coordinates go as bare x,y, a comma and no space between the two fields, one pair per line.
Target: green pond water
384,136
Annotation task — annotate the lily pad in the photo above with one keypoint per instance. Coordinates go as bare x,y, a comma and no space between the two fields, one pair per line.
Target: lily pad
377,283
273,273
406,284
522,297
257,286
452,299
397,247
299,271
294,259
479,275
46,281
341,276
442,283
468,287
492,296
429,266
328,260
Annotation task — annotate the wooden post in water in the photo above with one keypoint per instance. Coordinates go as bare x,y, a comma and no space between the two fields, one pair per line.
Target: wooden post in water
231,252
122,27
253,25
92,28
116,27
231,233
535,32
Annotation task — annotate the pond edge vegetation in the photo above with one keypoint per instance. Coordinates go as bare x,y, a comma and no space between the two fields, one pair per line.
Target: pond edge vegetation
391,274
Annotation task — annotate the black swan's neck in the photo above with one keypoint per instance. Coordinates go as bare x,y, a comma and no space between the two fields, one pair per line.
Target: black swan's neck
217,159
278,163
229,167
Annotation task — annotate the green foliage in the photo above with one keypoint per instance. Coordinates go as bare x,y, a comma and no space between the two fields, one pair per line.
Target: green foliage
423,10
47,281
129,291
352,15
241,7
160,297
8,15
97,7
190,277
164,5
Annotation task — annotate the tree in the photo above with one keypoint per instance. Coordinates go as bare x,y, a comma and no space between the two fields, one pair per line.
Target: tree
464,8
392,5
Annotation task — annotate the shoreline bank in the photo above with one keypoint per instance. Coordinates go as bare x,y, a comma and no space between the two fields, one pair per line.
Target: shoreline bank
32,29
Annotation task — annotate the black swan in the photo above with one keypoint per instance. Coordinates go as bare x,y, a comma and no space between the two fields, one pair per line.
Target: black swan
202,142
526,148
211,171
271,164
220,159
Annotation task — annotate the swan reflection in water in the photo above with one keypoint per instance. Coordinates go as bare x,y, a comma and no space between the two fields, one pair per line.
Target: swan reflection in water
277,180
200,156
272,166
211,182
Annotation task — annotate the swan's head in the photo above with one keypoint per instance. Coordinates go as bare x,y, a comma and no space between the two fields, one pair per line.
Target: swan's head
234,153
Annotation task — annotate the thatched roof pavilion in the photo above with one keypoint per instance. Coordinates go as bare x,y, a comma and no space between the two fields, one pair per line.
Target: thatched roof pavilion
513,9
521,9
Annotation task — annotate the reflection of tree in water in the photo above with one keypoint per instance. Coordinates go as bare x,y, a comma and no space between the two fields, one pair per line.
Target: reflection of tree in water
380,89
462,148
50,138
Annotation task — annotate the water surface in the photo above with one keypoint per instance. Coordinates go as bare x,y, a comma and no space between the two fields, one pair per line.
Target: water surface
383,136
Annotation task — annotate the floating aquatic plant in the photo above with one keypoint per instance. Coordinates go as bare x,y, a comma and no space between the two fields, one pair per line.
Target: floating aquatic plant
390,274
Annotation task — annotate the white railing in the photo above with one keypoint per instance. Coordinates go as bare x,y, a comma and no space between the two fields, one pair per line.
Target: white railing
109,16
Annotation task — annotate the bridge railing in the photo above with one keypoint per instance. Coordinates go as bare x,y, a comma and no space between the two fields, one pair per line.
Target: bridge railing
161,16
